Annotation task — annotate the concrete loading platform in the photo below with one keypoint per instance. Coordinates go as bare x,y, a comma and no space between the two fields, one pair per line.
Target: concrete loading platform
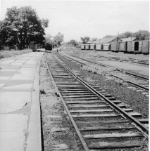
20,127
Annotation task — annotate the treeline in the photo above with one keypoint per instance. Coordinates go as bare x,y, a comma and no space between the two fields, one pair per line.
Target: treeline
54,41
140,35
74,43
22,26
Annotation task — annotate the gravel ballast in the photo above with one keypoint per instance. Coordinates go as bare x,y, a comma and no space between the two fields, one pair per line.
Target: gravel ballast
58,133
57,130
135,100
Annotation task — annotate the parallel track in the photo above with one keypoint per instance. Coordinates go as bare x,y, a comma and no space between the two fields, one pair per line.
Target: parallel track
122,60
144,82
100,121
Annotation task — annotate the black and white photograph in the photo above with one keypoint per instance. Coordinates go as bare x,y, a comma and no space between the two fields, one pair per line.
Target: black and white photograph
74,75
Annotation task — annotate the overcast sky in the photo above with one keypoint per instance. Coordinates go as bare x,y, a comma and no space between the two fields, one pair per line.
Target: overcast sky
76,19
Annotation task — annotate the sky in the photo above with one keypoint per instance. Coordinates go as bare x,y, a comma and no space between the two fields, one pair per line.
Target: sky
76,18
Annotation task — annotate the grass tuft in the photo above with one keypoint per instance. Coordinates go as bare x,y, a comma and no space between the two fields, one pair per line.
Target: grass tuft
42,91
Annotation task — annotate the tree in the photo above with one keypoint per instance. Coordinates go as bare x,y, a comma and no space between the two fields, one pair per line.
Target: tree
94,39
49,40
22,26
141,35
125,34
59,38
85,39
73,42
108,36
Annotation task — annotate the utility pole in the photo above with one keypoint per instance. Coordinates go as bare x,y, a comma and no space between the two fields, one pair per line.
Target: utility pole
117,42
131,42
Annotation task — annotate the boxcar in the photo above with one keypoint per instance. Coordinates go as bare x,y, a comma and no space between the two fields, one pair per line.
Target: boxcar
87,46
82,46
115,46
106,47
129,47
92,46
145,47
137,46
123,46
98,47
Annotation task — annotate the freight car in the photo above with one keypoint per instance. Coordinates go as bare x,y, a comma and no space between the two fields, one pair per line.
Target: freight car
92,46
145,47
106,47
115,46
82,46
123,47
129,47
137,46
98,46
120,46
87,46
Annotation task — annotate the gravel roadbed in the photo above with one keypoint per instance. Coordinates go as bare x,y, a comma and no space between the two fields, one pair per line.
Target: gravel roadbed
57,130
105,55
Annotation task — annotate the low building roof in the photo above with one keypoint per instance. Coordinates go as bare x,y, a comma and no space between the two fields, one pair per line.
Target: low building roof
96,42
129,39
89,42
107,40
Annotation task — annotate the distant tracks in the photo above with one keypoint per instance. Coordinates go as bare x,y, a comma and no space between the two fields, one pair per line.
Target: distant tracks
101,121
144,82
122,60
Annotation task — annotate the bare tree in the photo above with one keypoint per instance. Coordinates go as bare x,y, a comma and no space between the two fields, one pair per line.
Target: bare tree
85,39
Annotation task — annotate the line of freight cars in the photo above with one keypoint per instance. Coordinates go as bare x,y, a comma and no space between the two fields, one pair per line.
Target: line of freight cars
116,46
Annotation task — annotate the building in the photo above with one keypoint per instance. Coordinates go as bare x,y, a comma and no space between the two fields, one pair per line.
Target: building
128,39
106,42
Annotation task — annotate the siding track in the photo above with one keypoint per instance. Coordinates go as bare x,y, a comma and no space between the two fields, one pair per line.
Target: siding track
101,121
134,61
141,84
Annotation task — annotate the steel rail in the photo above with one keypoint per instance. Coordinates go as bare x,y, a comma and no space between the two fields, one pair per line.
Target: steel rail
136,85
139,76
67,110
76,60
143,129
115,59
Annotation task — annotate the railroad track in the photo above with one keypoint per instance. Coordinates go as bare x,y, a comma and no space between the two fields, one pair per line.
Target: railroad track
141,84
123,60
101,121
